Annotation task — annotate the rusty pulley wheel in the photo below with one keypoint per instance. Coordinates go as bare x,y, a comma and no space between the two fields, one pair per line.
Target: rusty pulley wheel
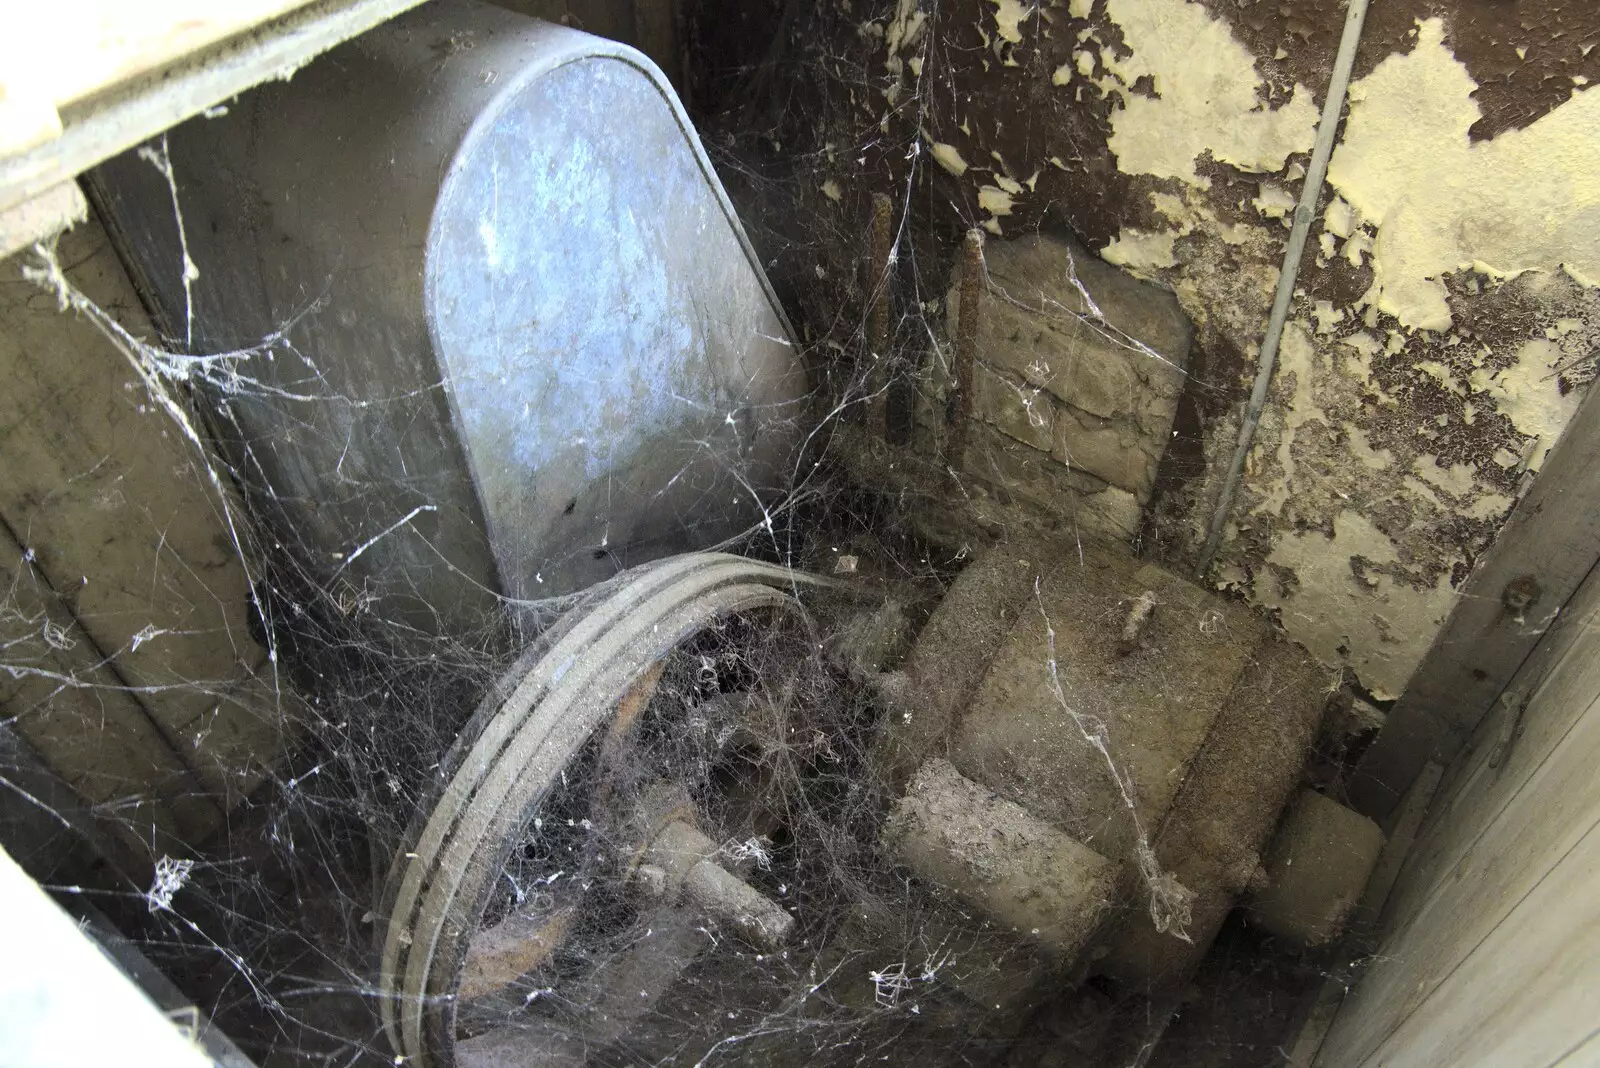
544,810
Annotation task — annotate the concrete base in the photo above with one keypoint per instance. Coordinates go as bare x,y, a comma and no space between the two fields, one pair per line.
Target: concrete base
1316,870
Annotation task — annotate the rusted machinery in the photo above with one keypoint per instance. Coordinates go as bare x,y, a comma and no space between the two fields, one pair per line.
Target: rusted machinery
718,806
1080,762
1140,733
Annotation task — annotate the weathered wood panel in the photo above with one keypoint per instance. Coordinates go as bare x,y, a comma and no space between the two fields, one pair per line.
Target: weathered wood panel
81,83
1585,1053
1527,990
58,694
1549,544
121,529
110,42
1541,710
1493,955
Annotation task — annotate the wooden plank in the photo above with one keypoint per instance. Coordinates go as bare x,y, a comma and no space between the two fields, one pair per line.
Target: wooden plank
121,521
67,51
1324,1010
27,117
64,1002
1319,1019
76,714
1555,808
42,217
1585,1054
1527,993
1559,680
1553,539
47,828
117,117
1397,853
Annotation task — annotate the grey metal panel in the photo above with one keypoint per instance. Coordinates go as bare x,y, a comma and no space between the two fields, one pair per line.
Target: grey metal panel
614,286
523,312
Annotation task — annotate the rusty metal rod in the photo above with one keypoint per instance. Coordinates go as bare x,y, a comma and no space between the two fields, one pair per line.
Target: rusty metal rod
878,321
959,412
1294,251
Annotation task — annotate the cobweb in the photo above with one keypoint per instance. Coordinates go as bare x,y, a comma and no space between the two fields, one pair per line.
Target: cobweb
273,924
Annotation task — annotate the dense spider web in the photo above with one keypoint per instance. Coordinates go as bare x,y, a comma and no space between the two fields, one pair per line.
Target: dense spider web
272,925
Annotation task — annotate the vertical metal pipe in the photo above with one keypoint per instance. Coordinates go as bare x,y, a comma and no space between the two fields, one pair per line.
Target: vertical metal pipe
1327,129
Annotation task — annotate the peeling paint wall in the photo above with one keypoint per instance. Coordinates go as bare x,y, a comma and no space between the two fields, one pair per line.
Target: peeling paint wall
1445,322
1527,200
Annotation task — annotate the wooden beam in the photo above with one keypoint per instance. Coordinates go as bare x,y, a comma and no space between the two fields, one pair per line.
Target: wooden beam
1492,951
1544,551
160,85
58,693
117,514
71,51
45,215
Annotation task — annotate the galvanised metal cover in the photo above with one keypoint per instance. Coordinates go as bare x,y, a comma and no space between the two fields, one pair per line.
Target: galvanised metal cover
525,341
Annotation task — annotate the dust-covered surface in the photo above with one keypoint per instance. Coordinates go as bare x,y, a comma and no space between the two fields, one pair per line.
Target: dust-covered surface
272,923
1169,138
1316,868
1086,373
1443,327
120,568
771,730
1026,873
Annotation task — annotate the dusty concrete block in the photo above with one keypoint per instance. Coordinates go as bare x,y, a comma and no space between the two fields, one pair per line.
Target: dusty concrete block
951,654
1008,864
1108,349
1317,867
1156,704
1104,449
1112,510
1071,362
1035,321
1083,501
1230,801
1018,410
